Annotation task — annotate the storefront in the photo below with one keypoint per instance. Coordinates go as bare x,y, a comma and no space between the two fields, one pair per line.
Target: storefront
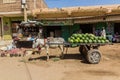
86,28
30,29
117,28
89,19
11,26
57,28
60,29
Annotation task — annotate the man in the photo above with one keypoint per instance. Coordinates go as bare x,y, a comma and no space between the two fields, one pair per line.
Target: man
103,32
40,33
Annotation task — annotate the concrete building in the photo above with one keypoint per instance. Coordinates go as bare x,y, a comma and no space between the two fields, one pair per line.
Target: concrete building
12,13
87,19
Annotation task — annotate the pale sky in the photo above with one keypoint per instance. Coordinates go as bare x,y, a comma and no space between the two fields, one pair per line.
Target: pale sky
71,3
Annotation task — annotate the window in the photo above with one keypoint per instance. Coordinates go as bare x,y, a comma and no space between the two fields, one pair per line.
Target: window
9,1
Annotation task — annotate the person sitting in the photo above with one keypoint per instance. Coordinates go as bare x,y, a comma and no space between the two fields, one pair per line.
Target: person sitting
30,38
116,37
110,37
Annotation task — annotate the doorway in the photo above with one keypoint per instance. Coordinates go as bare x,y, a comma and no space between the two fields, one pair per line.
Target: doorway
55,31
117,28
86,28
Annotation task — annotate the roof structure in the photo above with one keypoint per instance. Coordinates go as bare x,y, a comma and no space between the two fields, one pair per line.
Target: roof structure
77,12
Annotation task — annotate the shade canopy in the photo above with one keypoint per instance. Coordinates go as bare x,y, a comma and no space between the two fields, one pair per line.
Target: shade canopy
75,12
31,23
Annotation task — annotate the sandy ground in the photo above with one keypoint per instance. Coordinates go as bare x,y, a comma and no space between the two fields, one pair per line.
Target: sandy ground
72,67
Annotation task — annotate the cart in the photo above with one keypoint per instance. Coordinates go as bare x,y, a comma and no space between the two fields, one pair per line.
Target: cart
24,44
88,50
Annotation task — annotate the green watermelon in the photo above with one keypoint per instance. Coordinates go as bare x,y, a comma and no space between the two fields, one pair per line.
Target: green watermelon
87,38
95,41
102,41
74,35
80,35
81,41
98,41
90,41
76,41
85,41
107,41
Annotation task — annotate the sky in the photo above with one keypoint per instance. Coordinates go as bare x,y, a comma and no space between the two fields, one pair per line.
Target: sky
71,3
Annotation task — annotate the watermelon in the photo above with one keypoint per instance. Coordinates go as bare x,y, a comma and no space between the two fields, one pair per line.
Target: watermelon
86,38
102,41
71,40
106,41
85,41
98,41
100,38
95,41
81,41
74,35
76,41
74,45
90,41
91,35
80,35
83,38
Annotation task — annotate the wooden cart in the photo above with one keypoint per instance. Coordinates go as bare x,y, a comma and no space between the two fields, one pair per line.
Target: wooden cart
88,50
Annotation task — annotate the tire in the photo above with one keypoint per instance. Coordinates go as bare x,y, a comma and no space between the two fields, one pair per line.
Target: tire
93,56
83,51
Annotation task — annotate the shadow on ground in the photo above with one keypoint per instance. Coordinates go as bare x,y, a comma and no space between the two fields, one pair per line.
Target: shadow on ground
76,56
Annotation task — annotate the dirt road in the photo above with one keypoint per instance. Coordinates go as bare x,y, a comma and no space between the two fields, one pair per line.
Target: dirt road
72,67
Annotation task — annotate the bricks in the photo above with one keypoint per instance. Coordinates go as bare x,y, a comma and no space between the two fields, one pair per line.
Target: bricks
16,6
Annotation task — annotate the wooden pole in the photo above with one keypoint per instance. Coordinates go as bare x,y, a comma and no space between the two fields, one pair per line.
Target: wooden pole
25,13
2,27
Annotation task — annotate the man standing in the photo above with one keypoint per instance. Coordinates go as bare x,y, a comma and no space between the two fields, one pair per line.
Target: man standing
40,33
103,32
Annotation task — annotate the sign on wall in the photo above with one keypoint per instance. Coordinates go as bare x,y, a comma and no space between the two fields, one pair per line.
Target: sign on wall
57,23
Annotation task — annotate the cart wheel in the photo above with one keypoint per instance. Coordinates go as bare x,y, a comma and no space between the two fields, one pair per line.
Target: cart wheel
93,56
83,51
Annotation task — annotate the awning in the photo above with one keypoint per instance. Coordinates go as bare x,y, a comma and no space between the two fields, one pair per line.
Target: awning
57,22
75,12
14,14
31,23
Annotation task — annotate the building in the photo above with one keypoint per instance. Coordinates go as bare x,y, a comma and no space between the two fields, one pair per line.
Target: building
65,21
12,13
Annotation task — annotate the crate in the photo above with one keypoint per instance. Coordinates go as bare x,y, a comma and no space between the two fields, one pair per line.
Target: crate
24,44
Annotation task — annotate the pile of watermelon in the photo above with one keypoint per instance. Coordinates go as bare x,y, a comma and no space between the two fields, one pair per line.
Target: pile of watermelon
86,38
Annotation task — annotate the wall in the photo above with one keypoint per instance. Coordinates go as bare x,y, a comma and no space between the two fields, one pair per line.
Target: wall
65,32
100,25
10,7
6,26
16,6
75,28
109,27
16,19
